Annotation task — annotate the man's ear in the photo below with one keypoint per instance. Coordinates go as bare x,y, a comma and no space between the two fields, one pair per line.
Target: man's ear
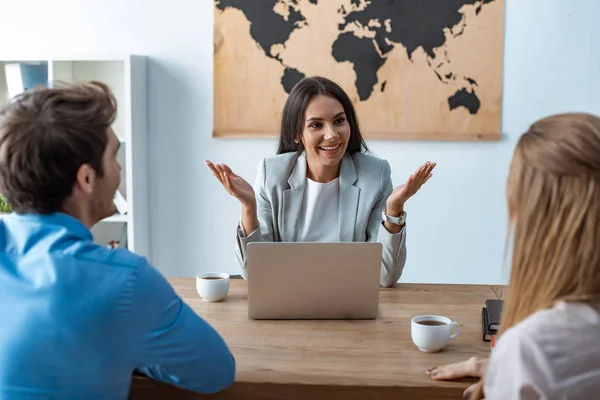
86,178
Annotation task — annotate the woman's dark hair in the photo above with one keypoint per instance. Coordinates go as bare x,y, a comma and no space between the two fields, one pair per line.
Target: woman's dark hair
292,120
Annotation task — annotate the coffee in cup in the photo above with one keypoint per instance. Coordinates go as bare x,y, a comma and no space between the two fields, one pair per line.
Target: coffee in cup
431,333
212,286
432,323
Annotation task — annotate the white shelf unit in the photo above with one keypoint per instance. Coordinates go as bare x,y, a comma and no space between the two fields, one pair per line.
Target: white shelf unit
124,218
127,78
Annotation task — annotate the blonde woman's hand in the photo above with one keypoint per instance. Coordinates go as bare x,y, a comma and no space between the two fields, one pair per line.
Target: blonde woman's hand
234,184
474,367
396,200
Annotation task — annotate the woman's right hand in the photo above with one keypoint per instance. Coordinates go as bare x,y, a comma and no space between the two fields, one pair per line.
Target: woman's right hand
234,184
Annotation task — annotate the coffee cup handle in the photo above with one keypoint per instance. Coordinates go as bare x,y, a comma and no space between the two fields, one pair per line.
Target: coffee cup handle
455,334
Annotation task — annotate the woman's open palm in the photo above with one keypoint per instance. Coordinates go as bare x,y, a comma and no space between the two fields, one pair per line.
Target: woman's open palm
234,184
405,191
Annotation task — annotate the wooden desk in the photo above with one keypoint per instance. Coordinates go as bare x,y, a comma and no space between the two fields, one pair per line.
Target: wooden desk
327,360
501,291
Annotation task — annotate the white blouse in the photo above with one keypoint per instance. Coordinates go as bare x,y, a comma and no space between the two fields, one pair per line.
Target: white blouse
553,354
320,208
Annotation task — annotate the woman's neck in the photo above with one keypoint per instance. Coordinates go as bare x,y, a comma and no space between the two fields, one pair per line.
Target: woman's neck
322,173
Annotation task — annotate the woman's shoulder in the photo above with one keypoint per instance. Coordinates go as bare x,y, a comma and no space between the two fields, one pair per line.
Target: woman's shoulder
280,162
367,164
562,316
277,168
549,348
561,326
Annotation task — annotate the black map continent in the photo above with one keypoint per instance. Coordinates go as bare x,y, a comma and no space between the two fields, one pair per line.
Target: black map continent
409,23
364,58
266,26
466,99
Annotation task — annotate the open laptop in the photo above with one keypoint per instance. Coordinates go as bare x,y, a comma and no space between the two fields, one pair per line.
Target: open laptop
313,280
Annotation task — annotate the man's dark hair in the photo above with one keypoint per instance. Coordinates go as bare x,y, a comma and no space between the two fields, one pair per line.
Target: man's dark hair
46,135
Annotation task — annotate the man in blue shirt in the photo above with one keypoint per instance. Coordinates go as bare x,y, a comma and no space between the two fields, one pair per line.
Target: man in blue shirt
77,318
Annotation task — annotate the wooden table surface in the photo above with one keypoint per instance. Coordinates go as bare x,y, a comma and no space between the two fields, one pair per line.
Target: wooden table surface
373,359
501,291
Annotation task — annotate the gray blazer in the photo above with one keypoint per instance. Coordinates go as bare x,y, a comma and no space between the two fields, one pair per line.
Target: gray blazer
365,184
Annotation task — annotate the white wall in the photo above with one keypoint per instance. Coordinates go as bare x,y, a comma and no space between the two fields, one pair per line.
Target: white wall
457,224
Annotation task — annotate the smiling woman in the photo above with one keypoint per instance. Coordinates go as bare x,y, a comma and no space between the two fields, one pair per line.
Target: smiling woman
322,186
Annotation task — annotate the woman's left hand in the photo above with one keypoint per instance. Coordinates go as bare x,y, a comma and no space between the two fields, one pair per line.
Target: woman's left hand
395,203
474,367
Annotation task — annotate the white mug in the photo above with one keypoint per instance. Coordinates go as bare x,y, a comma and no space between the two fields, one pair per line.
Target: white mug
212,286
431,333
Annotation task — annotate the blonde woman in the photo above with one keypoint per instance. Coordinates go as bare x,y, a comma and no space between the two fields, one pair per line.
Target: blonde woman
548,345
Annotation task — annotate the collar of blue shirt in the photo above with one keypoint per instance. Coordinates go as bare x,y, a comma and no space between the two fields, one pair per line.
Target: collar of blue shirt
70,223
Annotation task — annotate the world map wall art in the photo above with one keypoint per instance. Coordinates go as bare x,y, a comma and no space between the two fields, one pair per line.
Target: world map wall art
414,69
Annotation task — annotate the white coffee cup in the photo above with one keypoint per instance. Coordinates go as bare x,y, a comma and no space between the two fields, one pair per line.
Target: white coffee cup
212,286
431,333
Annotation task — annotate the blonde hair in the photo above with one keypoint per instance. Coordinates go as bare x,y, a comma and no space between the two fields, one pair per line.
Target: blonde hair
553,194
